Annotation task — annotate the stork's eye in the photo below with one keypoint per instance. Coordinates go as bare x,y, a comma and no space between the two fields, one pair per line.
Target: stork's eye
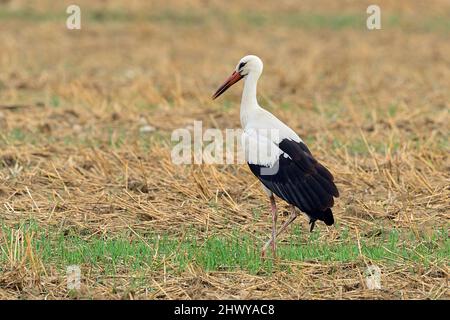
241,65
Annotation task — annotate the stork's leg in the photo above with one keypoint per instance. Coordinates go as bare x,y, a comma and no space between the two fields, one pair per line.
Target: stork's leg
292,217
273,209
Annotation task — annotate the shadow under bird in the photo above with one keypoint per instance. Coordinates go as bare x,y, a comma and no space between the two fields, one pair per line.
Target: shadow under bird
279,158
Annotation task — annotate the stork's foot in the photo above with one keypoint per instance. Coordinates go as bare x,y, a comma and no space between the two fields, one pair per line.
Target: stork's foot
266,245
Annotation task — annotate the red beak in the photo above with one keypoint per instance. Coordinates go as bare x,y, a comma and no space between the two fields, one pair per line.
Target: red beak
235,77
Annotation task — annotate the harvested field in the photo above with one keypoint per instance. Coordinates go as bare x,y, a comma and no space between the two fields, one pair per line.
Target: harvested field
86,176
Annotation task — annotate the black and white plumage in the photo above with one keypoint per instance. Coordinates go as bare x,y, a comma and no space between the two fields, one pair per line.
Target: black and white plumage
301,181
278,157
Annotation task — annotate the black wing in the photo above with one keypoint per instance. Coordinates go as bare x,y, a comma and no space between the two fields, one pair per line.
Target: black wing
301,181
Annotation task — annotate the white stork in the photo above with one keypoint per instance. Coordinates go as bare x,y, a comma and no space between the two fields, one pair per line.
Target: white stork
279,157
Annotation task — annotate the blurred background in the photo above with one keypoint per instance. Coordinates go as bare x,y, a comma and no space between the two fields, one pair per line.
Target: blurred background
85,123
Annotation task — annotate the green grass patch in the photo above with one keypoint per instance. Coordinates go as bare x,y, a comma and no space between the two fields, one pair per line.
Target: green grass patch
234,20
17,134
20,136
55,101
357,146
128,252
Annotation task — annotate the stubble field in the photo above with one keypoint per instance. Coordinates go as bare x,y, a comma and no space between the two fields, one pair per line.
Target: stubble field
86,176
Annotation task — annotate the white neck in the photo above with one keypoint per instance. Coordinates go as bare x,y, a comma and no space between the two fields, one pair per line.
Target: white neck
249,102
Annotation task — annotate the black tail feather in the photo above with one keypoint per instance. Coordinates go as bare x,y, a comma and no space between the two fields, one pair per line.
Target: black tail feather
312,223
328,217
325,216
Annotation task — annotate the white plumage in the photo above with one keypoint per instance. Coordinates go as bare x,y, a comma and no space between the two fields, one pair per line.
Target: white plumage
260,148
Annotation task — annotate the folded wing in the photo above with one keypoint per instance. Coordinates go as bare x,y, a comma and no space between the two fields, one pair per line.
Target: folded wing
291,172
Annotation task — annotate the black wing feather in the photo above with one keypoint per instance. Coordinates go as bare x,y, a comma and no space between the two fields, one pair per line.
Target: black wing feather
301,181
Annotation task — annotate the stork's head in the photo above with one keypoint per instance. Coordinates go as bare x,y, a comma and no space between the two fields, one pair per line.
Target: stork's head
248,66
